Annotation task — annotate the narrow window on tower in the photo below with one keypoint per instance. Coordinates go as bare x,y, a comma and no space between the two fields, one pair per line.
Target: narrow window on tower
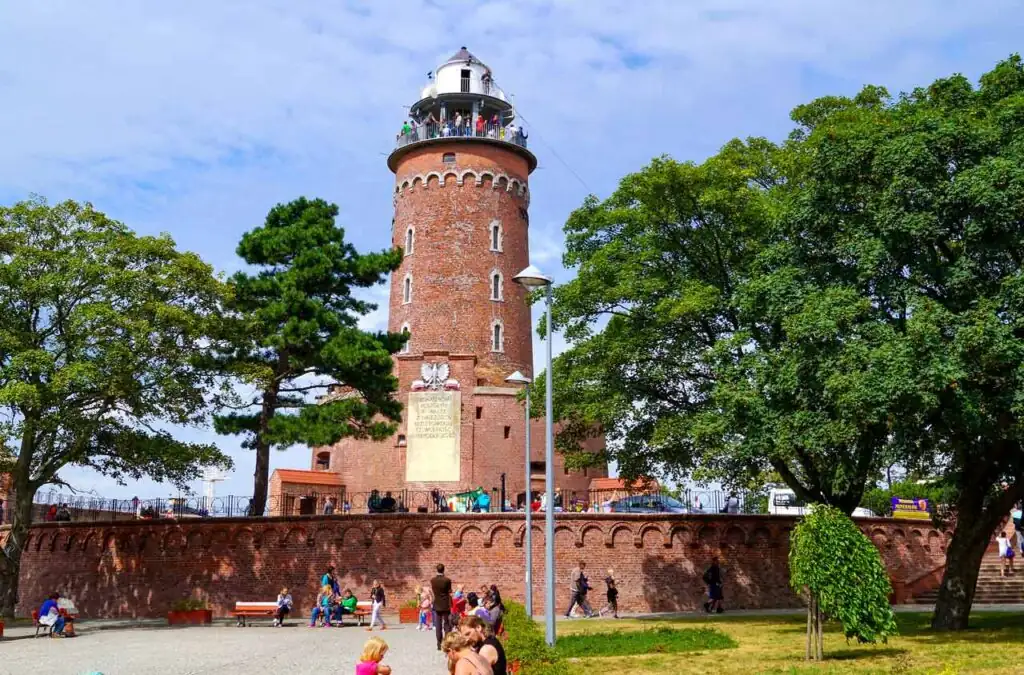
497,338
465,80
448,158
410,240
407,290
407,346
496,293
495,236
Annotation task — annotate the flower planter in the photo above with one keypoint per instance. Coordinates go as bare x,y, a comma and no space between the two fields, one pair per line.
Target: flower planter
192,617
1,628
514,667
408,615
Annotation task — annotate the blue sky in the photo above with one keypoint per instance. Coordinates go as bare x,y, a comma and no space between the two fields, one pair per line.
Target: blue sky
194,118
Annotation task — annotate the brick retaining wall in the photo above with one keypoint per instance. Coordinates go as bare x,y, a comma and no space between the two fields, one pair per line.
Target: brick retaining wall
138,568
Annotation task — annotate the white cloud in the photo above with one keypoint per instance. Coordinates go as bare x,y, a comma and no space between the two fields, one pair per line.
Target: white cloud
195,117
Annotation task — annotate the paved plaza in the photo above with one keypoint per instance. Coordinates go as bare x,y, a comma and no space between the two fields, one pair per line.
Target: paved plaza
221,649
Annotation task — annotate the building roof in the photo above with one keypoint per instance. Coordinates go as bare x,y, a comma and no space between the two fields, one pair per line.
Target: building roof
308,477
620,484
464,56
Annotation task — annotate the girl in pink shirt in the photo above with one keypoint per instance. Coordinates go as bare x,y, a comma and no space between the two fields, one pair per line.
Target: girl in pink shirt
370,660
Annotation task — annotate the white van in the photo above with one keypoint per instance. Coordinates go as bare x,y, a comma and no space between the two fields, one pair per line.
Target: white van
784,502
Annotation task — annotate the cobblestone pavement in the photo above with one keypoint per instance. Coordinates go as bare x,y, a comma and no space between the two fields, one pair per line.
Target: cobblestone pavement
225,650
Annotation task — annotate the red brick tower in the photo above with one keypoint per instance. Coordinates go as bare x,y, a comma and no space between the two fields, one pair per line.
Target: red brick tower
461,199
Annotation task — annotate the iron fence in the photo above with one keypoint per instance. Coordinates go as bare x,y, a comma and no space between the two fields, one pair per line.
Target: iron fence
58,506
430,131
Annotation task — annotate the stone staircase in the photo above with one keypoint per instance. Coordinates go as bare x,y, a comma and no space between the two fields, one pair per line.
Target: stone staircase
992,589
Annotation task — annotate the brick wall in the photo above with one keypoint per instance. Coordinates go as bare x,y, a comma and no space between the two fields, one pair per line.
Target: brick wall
139,568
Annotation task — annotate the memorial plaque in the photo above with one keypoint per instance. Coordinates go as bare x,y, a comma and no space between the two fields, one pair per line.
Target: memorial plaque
433,421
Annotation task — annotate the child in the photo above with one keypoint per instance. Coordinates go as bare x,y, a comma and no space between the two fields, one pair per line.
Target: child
370,660
378,602
284,606
1006,553
322,609
425,601
612,595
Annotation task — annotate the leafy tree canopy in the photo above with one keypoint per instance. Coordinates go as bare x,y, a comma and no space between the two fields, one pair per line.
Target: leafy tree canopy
99,342
294,332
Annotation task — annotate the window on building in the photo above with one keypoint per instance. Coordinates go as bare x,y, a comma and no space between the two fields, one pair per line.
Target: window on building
407,289
410,240
496,286
407,346
323,461
401,439
566,471
508,431
465,81
537,467
495,236
524,214
448,158
584,472
497,339
479,412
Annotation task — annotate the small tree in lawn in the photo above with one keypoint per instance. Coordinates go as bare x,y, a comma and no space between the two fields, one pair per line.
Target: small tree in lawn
295,333
842,577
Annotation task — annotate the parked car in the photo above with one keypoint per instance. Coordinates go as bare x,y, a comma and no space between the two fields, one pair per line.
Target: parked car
648,504
784,502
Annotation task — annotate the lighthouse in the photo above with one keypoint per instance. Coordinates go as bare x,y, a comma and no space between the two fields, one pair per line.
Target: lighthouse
461,195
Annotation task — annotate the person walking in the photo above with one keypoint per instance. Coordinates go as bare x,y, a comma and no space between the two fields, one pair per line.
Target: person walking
441,589
612,595
1006,554
578,587
378,602
713,579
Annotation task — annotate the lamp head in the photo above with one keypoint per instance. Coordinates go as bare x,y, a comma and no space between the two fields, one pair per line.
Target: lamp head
518,378
532,278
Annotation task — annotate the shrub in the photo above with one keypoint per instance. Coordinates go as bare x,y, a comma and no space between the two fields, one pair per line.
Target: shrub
525,644
188,605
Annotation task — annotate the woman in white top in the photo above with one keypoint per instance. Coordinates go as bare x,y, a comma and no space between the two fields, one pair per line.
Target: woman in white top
1006,553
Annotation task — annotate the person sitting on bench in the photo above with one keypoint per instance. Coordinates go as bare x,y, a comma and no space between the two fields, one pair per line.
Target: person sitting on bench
348,604
284,606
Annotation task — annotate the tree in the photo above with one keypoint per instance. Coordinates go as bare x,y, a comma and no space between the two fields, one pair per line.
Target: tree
842,576
99,340
918,202
294,333
719,356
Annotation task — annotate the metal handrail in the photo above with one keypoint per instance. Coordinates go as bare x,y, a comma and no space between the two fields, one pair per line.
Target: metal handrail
431,131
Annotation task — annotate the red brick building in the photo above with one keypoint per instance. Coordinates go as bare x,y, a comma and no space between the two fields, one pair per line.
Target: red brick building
461,200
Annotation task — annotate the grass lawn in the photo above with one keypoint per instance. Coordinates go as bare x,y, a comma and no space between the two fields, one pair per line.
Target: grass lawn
775,644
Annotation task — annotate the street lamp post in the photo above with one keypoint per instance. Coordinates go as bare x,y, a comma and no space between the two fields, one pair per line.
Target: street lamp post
519,378
531,278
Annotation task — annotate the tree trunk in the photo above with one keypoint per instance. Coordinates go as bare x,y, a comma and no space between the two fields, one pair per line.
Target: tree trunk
261,475
963,560
810,629
10,557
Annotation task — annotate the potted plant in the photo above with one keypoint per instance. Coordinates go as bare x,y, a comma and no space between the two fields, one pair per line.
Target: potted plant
189,612
409,612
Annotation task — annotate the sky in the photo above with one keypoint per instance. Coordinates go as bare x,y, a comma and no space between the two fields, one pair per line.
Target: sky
194,118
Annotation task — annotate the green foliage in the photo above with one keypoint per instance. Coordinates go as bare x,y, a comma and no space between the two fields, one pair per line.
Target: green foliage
938,495
292,332
651,641
525,644
188,605
831,559
100,342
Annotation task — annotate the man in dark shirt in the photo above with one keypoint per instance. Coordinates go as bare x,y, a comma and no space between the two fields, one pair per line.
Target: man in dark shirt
713,579
388,504
441,586
480,635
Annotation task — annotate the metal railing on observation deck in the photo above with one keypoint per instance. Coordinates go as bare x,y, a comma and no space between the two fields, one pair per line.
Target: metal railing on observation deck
426,132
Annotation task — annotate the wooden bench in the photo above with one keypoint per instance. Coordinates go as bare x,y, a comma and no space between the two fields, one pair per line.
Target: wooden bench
363,610
248,610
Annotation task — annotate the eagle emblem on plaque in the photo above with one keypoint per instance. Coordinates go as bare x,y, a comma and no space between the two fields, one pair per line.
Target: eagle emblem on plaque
434,377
